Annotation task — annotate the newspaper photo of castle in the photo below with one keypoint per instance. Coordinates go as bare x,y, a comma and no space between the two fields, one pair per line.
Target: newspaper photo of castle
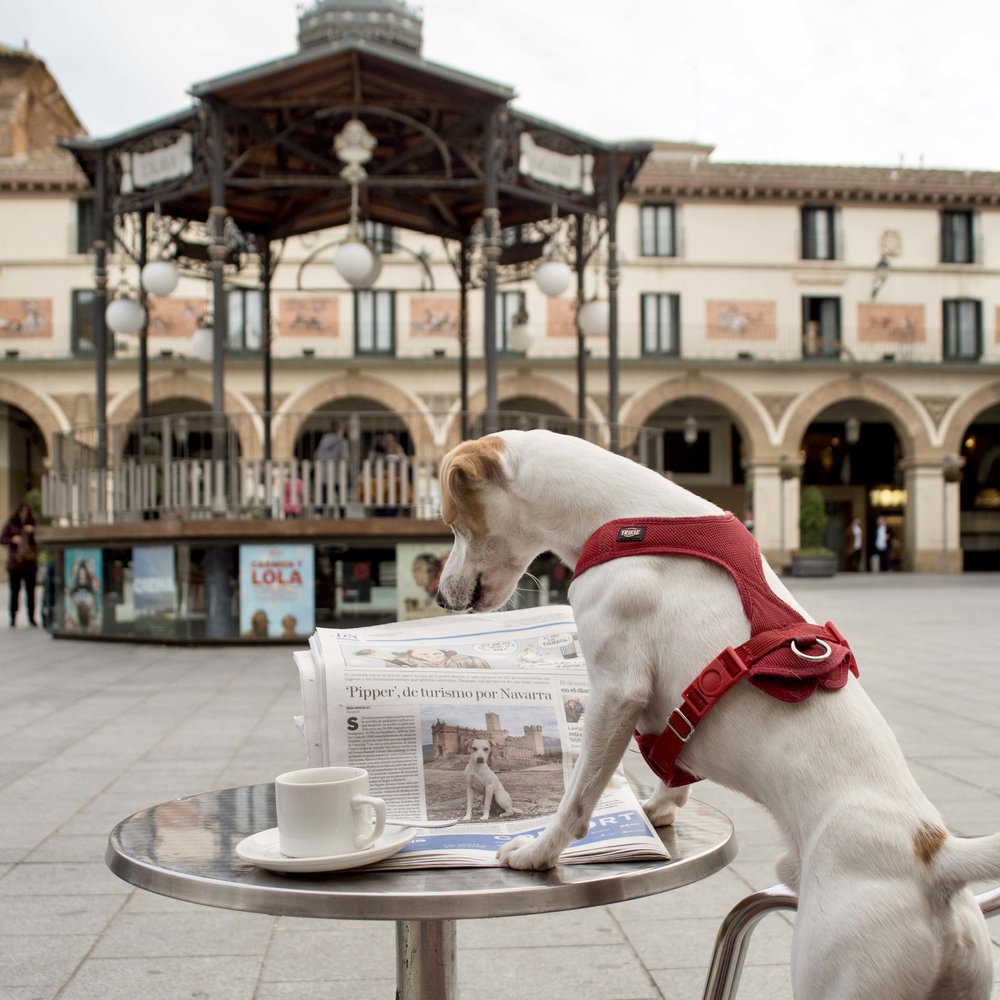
468,751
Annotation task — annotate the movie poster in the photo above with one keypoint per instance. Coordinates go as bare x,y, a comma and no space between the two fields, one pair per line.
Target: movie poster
154,581
418,571
84,576
277,591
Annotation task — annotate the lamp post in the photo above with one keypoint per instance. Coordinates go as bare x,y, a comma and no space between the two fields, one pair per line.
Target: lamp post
880,275
354,260
690,431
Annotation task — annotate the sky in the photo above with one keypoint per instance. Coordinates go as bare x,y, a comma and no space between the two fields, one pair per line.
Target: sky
845,82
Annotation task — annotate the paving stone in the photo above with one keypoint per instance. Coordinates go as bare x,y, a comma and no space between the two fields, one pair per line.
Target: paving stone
42,959
332,953
40,915
231,978
199,931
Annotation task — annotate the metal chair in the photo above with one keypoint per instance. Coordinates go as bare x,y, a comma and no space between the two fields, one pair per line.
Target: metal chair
733,939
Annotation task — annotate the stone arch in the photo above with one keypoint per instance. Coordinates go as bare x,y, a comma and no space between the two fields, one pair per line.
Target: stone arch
295,410
43,410
965,413
249,428
904,415
751,424
526,384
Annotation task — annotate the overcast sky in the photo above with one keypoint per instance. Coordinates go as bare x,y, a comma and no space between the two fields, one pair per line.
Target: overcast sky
875,82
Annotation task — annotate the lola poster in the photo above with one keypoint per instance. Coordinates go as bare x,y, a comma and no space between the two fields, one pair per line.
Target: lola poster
277,591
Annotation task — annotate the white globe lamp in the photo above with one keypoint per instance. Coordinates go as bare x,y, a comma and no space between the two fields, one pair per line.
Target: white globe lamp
553,277
355,263
125,315
159,277
376,270
520,335
203,343
594,318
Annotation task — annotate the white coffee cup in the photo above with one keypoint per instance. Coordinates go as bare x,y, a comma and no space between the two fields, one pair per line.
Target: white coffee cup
326,811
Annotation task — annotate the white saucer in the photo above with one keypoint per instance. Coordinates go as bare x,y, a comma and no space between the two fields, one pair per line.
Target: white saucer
261,849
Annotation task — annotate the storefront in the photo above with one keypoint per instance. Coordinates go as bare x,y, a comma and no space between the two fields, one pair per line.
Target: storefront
211,582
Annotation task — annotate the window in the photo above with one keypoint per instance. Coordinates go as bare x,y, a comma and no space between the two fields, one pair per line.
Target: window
82,322
512,236
86,229
820,327
963,329
246,319
657,231
661,333
957,238
509,304
375,322
818,233
380,237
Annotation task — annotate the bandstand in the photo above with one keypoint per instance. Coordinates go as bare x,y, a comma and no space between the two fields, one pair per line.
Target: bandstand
156,538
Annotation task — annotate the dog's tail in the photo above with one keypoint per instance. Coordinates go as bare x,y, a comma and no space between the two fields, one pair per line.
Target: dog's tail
962,860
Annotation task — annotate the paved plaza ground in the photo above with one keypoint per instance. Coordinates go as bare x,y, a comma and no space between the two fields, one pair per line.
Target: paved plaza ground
91,732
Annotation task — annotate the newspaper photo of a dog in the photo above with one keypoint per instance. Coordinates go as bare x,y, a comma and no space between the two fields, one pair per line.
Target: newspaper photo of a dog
491,763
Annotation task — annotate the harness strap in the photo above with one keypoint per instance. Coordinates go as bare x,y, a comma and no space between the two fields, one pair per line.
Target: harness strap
786,657
731,666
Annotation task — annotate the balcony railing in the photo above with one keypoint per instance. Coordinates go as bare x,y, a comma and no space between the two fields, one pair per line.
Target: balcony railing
199,466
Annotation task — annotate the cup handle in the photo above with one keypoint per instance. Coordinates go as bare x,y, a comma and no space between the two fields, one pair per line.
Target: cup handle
363,840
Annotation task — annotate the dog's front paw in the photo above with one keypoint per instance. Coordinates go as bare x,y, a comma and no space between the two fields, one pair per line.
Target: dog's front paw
661,807
528,854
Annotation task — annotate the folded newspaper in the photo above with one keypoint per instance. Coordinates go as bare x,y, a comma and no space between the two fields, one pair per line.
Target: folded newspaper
470,717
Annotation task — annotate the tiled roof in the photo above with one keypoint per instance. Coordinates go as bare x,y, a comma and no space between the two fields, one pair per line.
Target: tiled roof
700,178
50,169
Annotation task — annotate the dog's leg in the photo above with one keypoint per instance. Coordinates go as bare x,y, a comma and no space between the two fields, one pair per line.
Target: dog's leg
610,720
789,868
469,795
661,807
487,798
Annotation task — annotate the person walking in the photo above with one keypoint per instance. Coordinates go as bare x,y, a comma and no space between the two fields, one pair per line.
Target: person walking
22,561
883,545
857,545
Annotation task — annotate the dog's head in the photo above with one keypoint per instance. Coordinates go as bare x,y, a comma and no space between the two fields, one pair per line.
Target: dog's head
479,750
493,545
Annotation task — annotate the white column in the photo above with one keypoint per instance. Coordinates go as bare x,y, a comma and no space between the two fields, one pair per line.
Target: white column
775,513
931,535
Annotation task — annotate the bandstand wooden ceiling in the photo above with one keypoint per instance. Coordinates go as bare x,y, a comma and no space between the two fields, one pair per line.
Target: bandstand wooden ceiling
282,176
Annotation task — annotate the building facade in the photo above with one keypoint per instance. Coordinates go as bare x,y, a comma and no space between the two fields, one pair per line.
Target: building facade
778,326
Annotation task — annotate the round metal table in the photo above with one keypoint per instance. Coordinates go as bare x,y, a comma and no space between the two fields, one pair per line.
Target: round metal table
185,848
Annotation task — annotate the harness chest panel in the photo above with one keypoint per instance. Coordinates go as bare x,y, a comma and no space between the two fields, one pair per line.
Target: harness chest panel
786,657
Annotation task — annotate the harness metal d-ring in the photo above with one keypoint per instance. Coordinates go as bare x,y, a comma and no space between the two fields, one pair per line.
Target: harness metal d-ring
825,655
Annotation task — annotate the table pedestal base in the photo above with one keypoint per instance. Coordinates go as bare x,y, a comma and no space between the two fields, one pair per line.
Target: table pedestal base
425,960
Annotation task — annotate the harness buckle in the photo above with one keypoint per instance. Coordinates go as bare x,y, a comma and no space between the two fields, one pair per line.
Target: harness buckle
681,717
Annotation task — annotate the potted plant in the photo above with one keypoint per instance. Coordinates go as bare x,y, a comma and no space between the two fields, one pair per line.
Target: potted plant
812,558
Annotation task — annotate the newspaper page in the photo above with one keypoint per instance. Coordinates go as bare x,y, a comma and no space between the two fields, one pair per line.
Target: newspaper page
475,718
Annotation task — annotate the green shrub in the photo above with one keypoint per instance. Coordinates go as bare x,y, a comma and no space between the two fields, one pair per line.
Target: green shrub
812,522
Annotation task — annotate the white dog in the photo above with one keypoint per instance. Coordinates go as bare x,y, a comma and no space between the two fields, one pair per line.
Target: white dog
884,909
479,777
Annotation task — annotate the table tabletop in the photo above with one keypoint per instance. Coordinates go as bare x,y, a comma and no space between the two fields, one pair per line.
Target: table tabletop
185,848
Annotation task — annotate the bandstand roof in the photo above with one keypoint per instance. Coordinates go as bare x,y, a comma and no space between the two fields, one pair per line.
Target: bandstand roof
427,173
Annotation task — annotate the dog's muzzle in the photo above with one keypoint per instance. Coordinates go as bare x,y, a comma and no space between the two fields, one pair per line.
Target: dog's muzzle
474,598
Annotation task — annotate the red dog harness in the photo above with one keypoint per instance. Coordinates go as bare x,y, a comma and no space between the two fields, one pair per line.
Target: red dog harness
785,656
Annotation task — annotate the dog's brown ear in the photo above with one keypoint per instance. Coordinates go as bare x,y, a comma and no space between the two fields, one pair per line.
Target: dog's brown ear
466,469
